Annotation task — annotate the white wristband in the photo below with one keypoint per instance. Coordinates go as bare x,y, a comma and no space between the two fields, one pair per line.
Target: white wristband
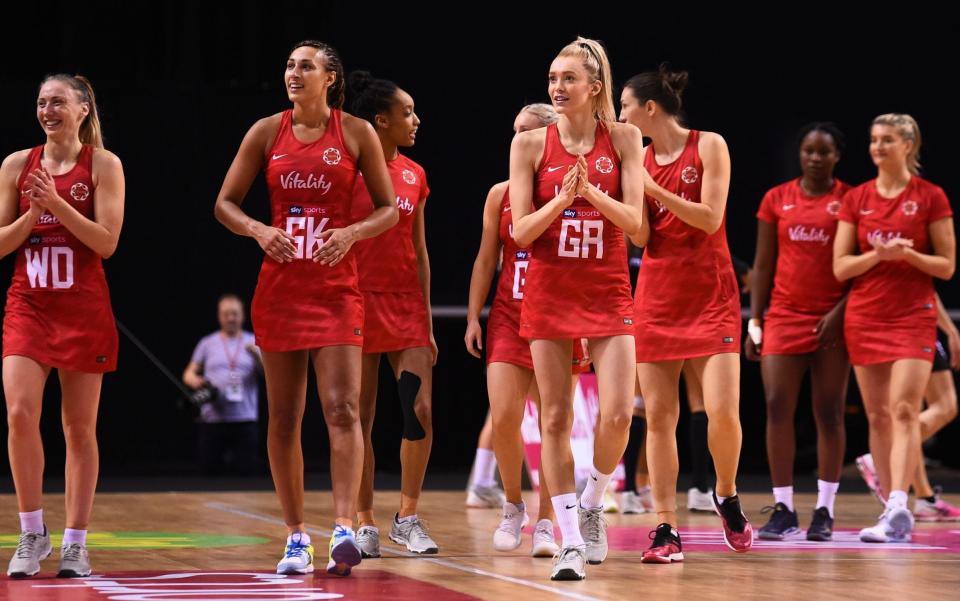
755,331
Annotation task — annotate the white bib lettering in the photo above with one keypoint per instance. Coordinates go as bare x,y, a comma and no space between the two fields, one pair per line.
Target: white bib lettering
297,226
519,278
578,236
50,267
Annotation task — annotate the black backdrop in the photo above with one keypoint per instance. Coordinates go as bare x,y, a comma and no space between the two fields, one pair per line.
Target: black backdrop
179,84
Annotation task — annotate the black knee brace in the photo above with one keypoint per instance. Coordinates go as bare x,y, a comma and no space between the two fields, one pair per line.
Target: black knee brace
408,386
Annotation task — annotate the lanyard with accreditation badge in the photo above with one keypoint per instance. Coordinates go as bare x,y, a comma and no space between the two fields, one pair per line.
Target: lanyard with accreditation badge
234,387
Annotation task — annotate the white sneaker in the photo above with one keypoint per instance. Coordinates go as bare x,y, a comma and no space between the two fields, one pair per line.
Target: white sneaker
485,497
74,561
630,503
507,535
544,543
31,550
298,555
894,526
368,538
569,564
700,501
413,535
593,529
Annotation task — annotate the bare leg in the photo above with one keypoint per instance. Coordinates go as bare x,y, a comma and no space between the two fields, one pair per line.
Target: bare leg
720,377
369,380
81,398
286,375
338,383
23,382
659,383
414,454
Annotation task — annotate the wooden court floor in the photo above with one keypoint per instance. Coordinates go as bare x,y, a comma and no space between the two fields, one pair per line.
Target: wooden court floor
193,546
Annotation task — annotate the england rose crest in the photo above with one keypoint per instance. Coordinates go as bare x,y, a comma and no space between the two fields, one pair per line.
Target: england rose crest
331,156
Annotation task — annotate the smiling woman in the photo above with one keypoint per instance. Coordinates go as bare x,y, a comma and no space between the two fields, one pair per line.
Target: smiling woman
307,306
61,208
576,187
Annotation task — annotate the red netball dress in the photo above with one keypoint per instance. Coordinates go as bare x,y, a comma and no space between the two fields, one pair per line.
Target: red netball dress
804,289
687,297
58,306
394,310
303,304
577,283
890,311
504,343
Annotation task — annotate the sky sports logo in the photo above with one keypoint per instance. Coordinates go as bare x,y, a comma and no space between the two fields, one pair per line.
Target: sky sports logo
522,255
296,210
569,213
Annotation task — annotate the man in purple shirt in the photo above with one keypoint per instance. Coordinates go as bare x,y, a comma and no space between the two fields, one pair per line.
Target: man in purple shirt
228,359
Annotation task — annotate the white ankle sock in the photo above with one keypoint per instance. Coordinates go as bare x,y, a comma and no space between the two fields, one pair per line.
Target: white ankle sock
897,499
565,506
782,494
484,466
592,496
409,518
826,494
32,521
303,537
71,536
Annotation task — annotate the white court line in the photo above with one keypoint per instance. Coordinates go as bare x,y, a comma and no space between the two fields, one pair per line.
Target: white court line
440,562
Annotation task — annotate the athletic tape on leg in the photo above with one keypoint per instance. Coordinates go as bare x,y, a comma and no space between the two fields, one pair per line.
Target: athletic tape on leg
408,386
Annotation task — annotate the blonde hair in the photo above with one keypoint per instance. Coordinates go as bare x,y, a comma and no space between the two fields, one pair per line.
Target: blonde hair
595,62
544,113
907,129
90,132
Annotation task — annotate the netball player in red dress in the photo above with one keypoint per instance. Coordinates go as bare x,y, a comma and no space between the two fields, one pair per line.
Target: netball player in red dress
895,235
687,303
61,208
575,188
397,319
510,378
799,326
307,307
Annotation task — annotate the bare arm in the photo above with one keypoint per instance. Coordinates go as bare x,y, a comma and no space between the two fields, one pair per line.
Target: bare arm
528,224
761,282
369,153
707,215
846,264
13,229
423,268
943,317
103,232
484,267
627,215
275,242
943,262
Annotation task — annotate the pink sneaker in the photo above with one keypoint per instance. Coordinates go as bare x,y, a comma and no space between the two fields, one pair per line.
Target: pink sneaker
869,474
737,531
938,511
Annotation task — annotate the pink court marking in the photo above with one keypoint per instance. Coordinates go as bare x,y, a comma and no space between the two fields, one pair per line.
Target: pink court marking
928,540
157,586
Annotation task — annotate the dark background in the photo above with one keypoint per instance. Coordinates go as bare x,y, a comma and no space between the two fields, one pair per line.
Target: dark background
179,84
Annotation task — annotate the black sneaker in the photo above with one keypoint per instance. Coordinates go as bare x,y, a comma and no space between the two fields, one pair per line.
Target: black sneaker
821,528
737,531
666,547
783,523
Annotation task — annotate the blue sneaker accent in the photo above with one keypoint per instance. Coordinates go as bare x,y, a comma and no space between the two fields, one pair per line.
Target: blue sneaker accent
344,552
297,557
